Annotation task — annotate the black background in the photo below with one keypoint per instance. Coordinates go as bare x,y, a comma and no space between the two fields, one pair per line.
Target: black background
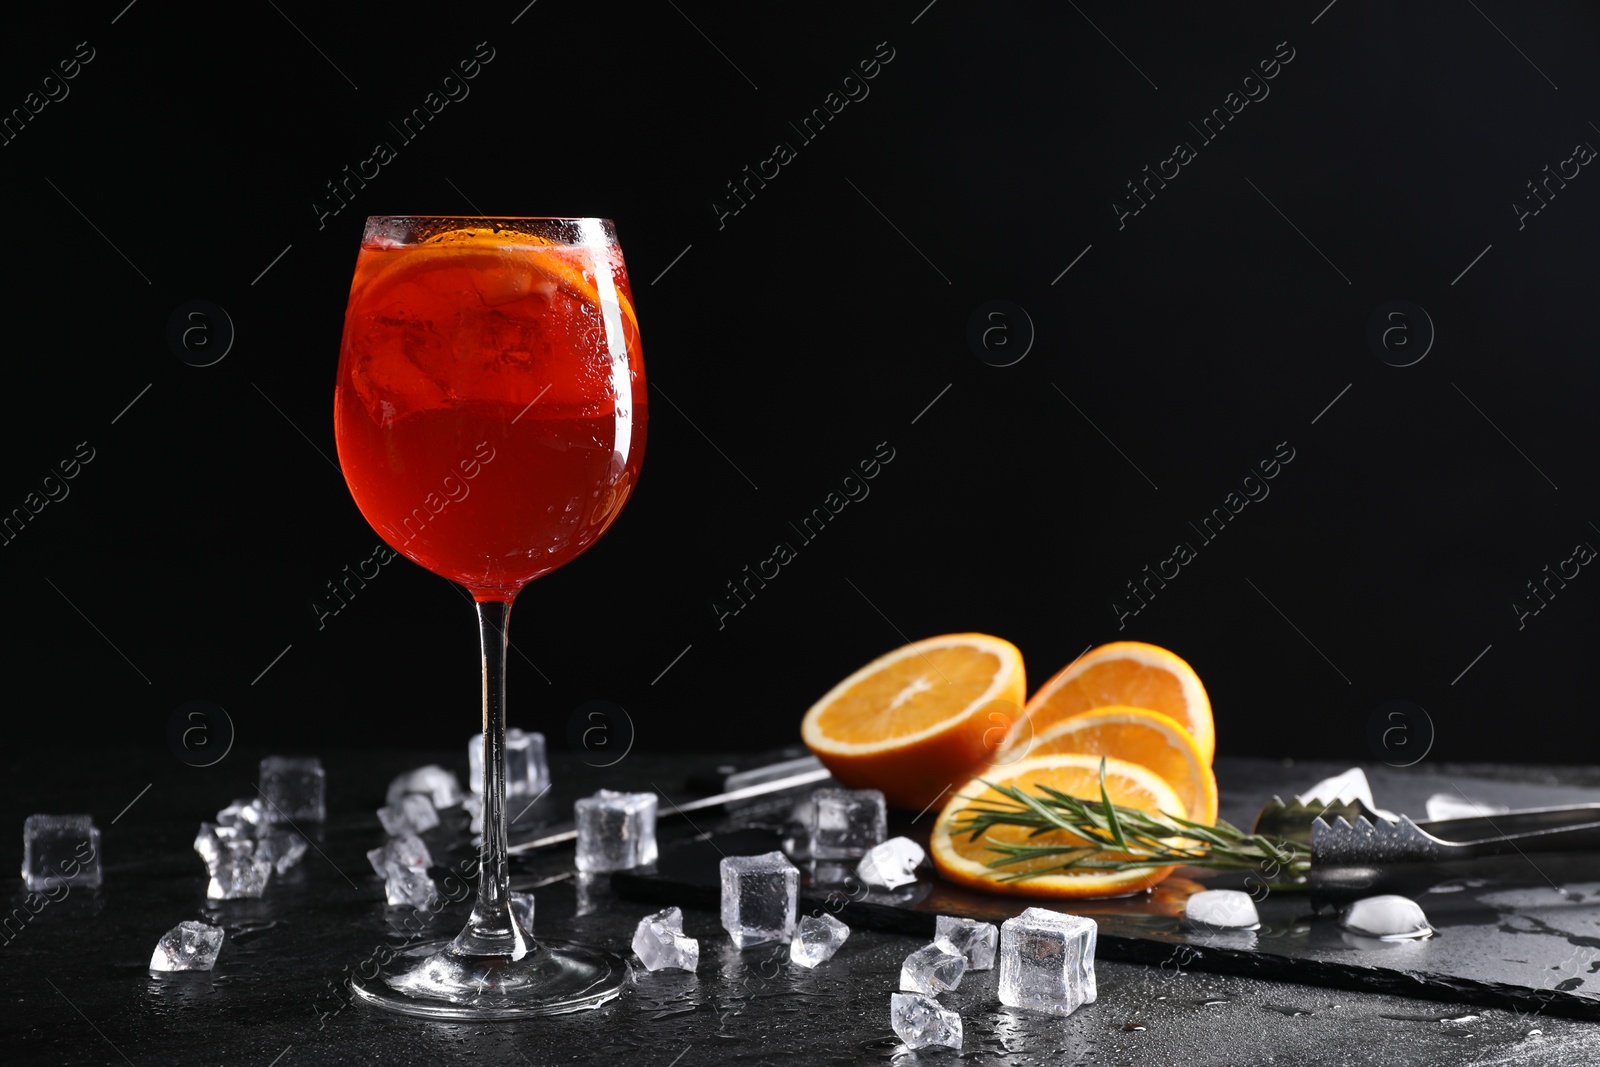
823,319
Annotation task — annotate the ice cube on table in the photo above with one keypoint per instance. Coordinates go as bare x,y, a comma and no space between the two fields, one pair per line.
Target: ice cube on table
413,815
294,789
527,768
891,864
246,812
403,863
210,843
282,848
1047,961
816,939
1225,908
1387,917
616,831
439,785
974,940
522,911
932,969
1350,787
240,872
189,946
922,1022
845,823
60,850
759,896
473,803
659,942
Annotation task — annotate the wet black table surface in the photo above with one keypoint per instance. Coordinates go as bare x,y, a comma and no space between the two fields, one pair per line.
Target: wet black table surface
76,989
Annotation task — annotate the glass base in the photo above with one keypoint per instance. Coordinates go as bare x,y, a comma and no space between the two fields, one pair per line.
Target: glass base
435,981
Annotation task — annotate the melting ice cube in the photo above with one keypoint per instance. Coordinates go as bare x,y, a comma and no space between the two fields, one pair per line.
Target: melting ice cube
440,786
891,864
1228,908
1387,917
1455,806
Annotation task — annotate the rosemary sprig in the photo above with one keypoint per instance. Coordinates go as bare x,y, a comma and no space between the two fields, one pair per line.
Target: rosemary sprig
1110,837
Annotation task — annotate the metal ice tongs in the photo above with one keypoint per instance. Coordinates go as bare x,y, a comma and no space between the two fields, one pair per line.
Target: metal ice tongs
1351,846
1368,840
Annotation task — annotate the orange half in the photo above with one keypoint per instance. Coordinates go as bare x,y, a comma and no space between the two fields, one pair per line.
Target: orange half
919,721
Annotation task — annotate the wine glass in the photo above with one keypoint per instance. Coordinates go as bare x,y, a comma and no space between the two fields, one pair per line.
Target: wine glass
490,419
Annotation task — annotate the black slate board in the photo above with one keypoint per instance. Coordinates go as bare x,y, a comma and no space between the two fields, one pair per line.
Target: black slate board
1522,933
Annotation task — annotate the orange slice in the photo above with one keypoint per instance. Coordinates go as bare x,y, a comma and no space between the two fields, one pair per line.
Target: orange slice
505,317
514,263
918,721
1140,736
963,860
1125,674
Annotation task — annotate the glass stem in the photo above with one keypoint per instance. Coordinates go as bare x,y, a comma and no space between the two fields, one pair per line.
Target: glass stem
492,931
